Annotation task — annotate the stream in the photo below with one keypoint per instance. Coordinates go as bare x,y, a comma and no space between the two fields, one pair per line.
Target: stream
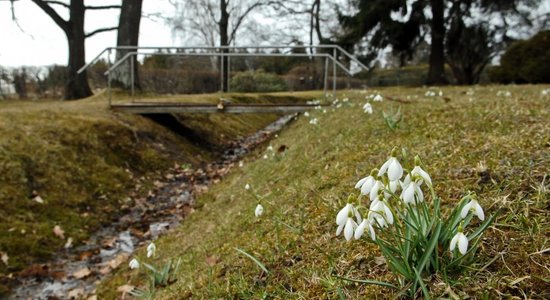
75,273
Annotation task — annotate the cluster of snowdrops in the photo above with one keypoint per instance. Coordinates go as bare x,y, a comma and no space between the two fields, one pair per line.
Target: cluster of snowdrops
402,214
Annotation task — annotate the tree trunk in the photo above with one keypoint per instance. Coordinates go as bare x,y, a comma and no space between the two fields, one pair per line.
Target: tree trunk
128,35
77,86
224,41
436,74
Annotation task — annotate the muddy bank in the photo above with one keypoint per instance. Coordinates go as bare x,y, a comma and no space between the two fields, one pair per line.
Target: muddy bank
75,273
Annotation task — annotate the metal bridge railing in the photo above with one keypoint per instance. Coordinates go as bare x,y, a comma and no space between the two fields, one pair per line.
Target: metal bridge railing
337,51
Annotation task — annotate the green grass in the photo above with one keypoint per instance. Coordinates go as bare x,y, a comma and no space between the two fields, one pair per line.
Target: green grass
498,147
84,160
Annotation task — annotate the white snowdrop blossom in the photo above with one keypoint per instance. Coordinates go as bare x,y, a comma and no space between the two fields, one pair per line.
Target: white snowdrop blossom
545,92
313,121
367,108
270,148
151,250
345,221
462,242
366,184
361,229
247,186
412,193
306,114
349,228
378,98
259,210
392,167
376,188
474,206
134,264
380,213
390,188
430,94
440,93
265,156
418,171
345,100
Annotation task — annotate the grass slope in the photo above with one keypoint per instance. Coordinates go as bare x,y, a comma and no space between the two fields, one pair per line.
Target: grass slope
473,140
83,160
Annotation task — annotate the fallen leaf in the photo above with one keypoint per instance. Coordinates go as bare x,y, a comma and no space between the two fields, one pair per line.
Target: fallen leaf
105,270
69,243
379,260
125,289
38,199
5,258
114,263
212,260
110,242
82,273
75,294
58,231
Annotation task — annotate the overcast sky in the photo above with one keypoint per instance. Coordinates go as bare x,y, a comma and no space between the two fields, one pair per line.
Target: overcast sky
42,42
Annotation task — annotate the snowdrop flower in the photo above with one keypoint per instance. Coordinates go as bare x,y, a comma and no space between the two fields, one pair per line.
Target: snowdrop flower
461,240
390,188
430,94
345,100
259,210
412,193
380,213
366,184
440,93
265,156
134,264
367,108
314,121
545,92
247,186
270,148
392,167
474,206
151,250
345,222
306,114
349,228
378,98
361,229
418,171
348,210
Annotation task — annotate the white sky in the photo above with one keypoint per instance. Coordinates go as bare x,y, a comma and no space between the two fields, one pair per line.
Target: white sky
44,43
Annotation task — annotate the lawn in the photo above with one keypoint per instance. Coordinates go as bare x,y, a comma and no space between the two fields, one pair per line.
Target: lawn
491,140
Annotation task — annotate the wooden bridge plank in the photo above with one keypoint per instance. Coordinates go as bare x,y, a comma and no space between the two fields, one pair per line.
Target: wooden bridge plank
159,108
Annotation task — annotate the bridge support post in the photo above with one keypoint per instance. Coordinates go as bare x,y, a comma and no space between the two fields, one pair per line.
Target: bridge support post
325,78
335,57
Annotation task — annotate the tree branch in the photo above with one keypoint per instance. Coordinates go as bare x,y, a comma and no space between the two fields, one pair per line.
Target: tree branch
100,30
64,25
58,3
104,7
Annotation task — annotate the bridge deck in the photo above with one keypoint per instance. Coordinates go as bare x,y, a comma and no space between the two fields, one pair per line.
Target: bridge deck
232,108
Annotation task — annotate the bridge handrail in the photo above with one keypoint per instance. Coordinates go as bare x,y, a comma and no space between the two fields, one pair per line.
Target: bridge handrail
330,57
335,47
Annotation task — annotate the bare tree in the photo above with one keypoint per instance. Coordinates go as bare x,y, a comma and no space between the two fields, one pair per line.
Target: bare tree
77,86
214,22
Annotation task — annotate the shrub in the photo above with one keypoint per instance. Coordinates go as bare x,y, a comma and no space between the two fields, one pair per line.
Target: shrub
258,81
525,61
